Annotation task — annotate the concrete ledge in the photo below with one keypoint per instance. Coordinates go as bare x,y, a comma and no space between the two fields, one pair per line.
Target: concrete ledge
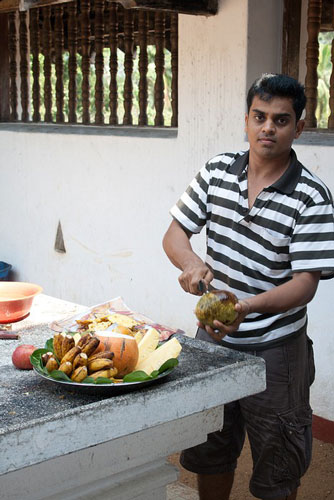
102,130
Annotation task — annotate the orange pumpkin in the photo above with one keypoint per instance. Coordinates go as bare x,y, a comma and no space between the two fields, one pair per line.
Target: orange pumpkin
125,349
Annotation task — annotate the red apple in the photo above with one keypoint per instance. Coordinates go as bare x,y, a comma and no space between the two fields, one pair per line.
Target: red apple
21,356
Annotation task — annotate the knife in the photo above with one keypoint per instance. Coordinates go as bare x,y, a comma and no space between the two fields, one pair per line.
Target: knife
8,335
202,287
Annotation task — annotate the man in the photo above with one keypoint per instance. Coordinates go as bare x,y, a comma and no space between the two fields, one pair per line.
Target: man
270,238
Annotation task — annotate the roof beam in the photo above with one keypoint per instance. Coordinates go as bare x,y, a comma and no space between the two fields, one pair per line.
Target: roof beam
195,7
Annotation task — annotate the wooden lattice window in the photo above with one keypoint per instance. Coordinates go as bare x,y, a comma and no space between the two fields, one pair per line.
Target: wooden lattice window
93,62
313,63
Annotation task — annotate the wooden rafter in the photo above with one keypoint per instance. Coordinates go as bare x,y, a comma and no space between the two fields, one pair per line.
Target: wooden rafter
195,7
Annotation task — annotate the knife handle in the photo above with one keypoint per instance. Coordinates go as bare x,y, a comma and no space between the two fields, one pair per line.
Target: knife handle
8,336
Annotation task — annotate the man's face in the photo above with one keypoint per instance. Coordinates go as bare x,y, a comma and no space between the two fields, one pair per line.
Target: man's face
271,127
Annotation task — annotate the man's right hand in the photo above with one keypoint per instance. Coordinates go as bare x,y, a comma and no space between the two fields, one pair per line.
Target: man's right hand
176,244
192,275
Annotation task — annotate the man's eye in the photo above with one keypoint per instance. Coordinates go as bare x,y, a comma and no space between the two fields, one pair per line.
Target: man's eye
258,117
282,121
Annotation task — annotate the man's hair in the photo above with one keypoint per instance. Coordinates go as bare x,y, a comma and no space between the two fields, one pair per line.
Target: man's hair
271,85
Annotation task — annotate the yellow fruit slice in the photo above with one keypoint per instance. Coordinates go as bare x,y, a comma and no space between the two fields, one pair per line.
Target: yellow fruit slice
138,336
122,319
170,349
147,345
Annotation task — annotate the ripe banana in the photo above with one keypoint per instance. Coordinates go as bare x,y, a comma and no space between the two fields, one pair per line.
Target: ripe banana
103,354
68,343
79,374
80,359
57,345
66,368
99,364
104,373
71,354
45,357
52,364
84,339
91,345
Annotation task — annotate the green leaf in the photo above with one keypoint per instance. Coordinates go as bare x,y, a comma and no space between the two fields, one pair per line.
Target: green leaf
59,375
140,376
103,380
36,358
137,376
49,345
88,380
170,363
99,380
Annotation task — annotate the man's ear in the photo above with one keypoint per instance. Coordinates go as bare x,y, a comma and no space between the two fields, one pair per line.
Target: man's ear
299,128
246,122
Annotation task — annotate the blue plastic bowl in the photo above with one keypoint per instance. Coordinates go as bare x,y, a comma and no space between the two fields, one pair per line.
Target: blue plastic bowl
4,270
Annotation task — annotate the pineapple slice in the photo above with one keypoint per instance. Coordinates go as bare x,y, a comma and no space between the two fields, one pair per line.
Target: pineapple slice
122,320
148,344
170,349
138,337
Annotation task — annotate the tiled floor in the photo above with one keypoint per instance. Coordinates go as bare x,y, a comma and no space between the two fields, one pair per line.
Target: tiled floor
179,491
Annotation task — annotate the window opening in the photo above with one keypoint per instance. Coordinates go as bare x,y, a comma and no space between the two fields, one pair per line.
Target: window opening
93,62
318,64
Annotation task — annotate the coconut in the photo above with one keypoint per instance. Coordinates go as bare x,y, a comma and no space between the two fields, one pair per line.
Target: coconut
216,305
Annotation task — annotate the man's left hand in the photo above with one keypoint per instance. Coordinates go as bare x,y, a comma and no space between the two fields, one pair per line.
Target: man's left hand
243,309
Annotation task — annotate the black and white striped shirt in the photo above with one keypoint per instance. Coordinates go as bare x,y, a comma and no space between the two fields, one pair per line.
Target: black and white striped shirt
289,229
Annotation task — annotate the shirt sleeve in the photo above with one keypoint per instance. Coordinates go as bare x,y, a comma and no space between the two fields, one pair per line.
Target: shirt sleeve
191,209
312,243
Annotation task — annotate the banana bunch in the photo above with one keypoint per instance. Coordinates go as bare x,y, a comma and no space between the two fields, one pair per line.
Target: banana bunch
77,360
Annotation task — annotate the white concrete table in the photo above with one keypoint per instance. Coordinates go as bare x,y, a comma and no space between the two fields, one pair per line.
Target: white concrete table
59,444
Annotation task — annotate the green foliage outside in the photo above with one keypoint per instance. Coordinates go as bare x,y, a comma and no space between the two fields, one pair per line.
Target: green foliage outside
151,75
324,74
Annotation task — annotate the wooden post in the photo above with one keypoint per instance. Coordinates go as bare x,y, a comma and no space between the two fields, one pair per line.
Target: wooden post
4,69
99,63
291,38
72,61
128,66
159,68
59,47
143,63
331,92
85,62
113,41
174,50
47,63
12,46
312,59
35,48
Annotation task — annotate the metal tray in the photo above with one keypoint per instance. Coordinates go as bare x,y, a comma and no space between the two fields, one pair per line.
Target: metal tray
106,389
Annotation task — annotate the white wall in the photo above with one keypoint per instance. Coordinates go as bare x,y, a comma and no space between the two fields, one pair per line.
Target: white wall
112,194
321,313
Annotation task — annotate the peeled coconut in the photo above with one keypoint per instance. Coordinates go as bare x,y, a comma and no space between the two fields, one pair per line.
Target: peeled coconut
217,305
125,349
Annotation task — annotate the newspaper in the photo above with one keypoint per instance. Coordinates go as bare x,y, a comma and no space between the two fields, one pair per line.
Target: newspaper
116,305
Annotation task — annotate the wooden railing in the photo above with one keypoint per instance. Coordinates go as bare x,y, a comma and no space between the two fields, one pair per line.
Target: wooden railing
315,22
320,23
76,63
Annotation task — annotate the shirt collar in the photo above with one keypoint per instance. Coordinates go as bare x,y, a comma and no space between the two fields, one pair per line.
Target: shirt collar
286,183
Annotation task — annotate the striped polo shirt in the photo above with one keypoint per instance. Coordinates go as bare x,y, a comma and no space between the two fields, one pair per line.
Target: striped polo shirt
290,228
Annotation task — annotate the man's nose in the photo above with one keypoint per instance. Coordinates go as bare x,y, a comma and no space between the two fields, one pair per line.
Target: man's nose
269,127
